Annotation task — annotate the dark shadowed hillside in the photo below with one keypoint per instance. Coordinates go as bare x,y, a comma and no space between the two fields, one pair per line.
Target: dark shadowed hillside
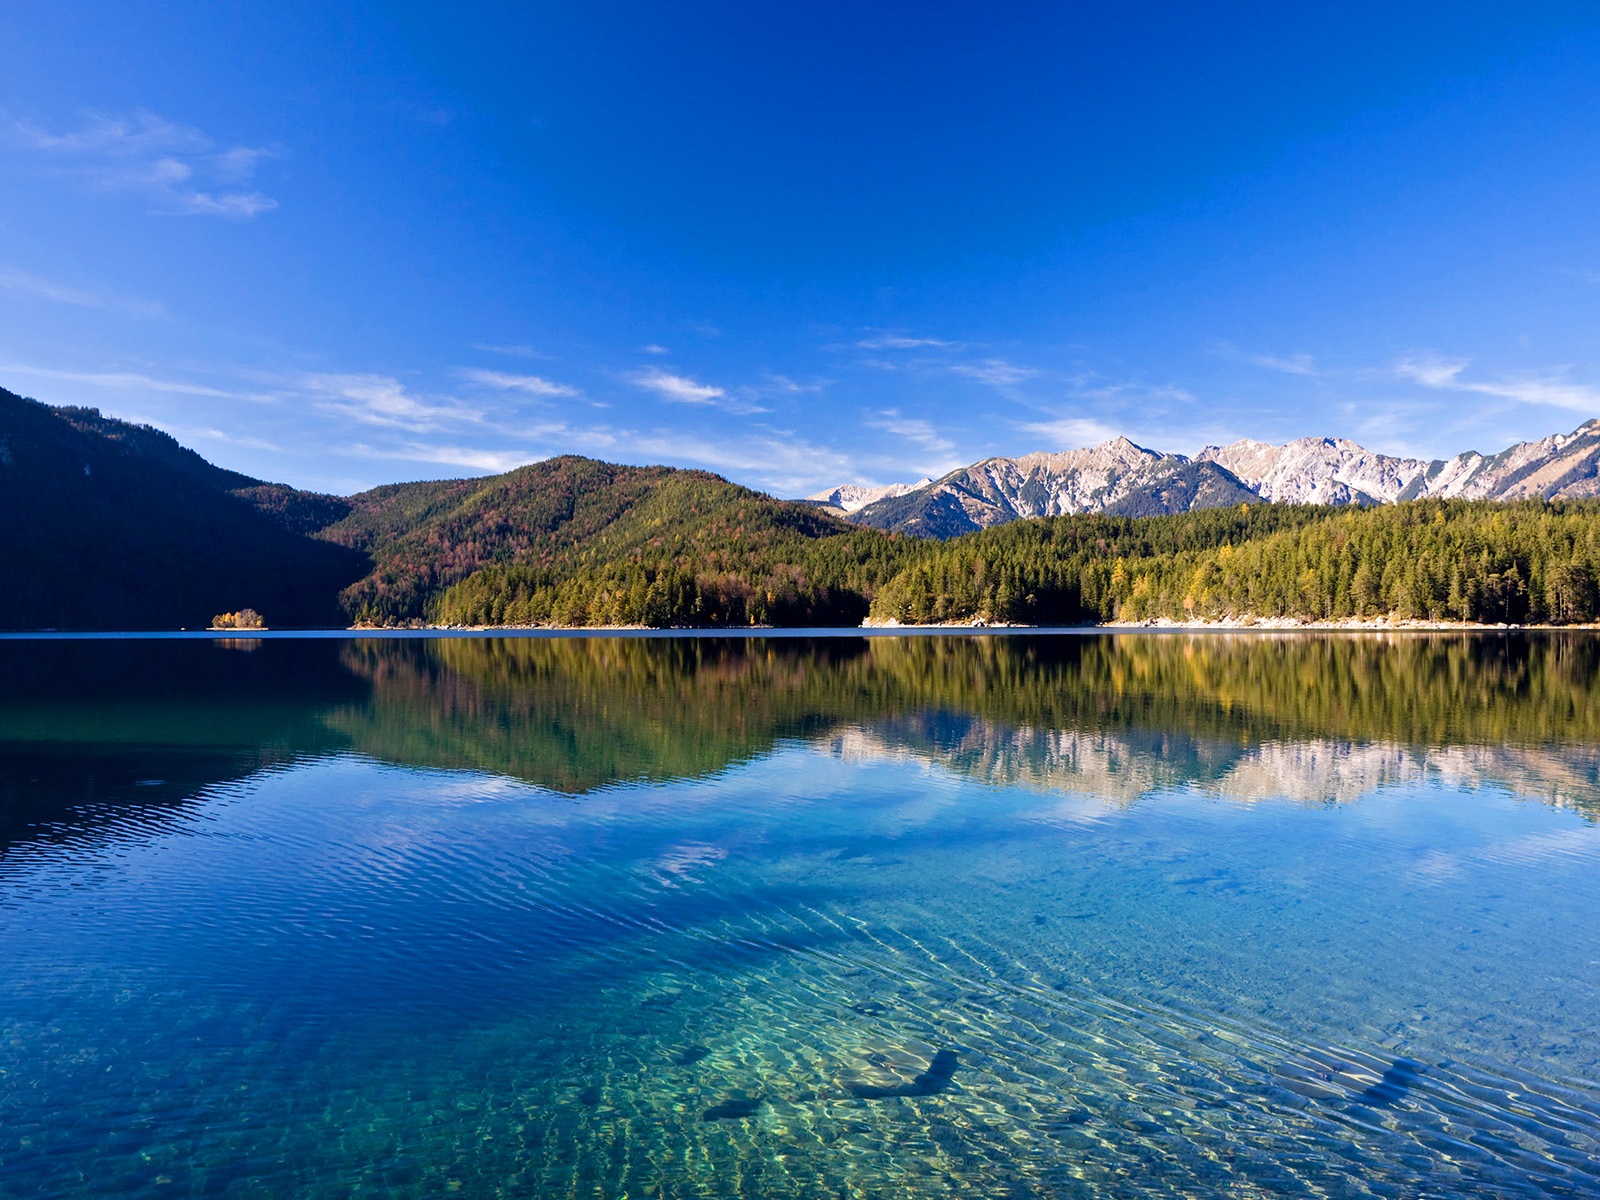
113,525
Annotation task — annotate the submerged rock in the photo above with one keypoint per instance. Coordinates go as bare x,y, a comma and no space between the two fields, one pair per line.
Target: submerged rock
732,1109
939,1075
1363,1078
691,1056
1394,1084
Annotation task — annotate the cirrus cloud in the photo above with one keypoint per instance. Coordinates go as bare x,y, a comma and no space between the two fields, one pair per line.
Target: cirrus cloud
1553,388
25,284
534,385
383,400
995,372
899,341
177,169
681,389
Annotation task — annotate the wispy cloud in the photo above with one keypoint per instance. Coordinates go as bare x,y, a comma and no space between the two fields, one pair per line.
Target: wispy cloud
1552,388
942,357
1295,364
777,460
1291,364
884,340
995,372
680,389
1069,433
207,433
534,385
383,400
777,387
24,284
176,168
517,351
128,381
653,348
1432,371
914,430
1090,387
437,116
472,458
1394,427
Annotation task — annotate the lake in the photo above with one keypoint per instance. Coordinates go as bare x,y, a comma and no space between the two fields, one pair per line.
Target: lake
989,916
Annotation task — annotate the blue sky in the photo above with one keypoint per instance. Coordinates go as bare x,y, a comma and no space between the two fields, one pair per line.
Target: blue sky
342,244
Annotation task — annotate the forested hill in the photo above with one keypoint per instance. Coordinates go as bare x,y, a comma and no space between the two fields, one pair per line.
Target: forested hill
1434,560
737,556
112,525
106,524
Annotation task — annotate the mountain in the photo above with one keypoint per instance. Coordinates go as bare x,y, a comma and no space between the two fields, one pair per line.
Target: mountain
1117,477
1122,479
1321,471
108,524
1336,471
1564,466
849,497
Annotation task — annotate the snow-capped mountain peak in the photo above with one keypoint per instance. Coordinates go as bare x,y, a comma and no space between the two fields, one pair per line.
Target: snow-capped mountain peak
849,497
1120,477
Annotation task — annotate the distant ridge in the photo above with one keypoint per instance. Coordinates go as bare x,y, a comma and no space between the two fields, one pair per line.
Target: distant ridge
849,497
1120,478
113,525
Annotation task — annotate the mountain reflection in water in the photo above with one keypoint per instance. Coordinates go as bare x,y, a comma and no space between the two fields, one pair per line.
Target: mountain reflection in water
1246,717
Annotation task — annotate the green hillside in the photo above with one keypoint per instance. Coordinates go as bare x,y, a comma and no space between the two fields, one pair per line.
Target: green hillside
1439,560
561,516
577,542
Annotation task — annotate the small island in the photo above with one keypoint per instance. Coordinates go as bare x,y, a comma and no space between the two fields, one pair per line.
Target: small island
245,618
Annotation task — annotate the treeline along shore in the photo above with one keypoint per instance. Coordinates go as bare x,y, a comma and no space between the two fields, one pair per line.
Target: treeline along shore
111,525
1478,561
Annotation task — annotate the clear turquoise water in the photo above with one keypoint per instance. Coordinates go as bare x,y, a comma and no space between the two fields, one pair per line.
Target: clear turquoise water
1195,917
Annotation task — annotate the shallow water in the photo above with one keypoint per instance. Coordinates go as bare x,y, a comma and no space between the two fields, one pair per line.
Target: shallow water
1035,916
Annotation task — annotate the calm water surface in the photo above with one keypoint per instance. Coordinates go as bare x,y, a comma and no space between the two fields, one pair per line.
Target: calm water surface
1029,916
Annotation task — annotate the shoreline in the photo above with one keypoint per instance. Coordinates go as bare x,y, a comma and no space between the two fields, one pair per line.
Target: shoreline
869,629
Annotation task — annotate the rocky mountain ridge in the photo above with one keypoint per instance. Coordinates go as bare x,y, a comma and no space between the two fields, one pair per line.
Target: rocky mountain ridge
849,497
1121,478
